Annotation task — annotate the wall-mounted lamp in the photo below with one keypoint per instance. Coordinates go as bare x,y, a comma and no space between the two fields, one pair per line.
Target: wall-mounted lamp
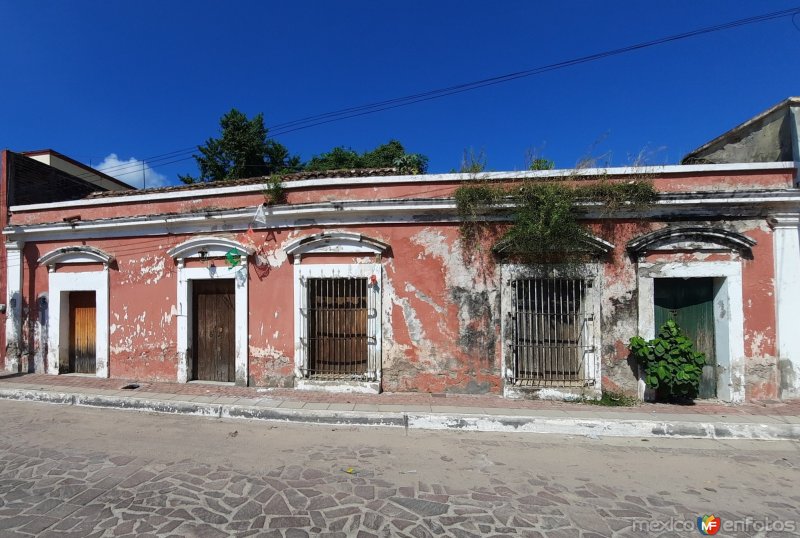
203,254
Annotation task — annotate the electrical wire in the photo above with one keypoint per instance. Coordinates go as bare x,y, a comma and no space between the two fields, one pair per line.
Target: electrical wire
388,104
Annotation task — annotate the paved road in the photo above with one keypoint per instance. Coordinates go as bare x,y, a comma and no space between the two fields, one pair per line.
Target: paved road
67,471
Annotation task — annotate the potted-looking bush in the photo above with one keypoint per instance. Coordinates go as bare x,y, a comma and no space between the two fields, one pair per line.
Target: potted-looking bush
671,366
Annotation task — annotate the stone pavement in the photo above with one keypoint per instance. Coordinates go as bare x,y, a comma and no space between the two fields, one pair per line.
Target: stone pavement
754,420
77,474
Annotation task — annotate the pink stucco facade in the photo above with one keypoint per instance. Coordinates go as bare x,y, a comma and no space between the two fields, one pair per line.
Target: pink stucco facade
441,306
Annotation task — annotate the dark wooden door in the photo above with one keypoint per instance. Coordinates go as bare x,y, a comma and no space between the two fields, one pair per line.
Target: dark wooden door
82,331
214,330
690,303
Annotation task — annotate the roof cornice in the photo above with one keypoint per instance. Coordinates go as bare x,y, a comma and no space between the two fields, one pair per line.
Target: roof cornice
358,212
317,183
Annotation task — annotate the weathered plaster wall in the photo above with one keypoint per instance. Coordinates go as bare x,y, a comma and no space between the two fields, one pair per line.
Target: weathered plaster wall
758,281
271,321
142,310
618,307
442,308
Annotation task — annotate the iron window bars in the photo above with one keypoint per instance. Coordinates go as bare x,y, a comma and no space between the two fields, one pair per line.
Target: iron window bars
340,329
551,325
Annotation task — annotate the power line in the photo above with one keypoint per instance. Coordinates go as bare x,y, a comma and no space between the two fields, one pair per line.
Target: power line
378,106
345,113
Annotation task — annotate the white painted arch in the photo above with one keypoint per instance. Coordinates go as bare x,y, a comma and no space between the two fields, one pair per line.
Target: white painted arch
75,254
207,247
335,242
693,236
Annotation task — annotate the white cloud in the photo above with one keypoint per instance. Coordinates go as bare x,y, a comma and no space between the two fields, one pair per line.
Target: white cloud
130,171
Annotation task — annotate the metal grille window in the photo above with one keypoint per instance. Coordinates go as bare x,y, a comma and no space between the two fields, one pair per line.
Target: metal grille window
551,329
340,328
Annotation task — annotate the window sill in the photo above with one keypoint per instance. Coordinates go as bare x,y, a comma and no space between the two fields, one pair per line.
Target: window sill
565,394
338,386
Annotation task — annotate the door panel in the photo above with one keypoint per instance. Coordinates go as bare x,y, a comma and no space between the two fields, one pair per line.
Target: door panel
82,332
690,303
213,330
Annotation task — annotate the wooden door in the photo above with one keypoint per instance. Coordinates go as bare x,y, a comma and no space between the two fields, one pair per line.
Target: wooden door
214,330
690,303
82,332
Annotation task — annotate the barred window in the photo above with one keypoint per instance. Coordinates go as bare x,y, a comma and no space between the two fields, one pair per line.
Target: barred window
338,323
337,327
551,326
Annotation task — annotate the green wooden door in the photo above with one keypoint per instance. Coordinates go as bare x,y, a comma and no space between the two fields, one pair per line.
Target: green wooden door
690,303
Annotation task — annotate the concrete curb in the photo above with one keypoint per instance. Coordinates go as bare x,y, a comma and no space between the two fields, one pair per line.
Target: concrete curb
610,427
593,428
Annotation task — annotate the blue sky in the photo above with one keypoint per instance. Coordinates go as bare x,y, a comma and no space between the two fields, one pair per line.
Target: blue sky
93,79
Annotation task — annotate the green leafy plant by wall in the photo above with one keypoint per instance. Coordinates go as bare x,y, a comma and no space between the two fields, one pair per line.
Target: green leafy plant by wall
546,214
671,365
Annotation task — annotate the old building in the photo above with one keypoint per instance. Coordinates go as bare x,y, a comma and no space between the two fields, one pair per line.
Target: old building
38,177
360,281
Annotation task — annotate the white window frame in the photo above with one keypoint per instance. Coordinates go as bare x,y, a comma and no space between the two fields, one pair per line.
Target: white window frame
335,242
374,317
589,273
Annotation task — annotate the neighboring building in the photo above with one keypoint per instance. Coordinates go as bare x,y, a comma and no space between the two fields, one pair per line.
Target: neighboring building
360,282
772,136
39,177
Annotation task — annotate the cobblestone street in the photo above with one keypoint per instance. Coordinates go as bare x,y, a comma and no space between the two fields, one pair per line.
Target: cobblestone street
68,471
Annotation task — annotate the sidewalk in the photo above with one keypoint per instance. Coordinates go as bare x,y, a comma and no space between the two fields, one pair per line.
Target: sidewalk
766,420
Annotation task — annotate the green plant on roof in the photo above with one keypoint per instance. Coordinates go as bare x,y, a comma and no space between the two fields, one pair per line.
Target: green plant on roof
546,213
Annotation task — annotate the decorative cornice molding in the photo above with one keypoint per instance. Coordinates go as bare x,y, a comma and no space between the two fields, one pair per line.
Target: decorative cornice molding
415,180
694,205
784,220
